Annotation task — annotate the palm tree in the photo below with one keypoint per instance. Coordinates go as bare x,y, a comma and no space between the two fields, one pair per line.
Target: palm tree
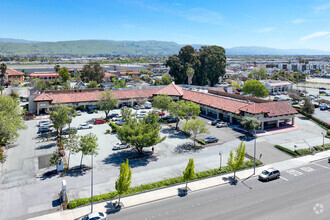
3,68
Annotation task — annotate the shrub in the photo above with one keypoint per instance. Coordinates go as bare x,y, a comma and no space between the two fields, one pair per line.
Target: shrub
201,142
1,155
187,133
107,131
302,152
114,127
163,183
287,150
328,132
96,111
14,95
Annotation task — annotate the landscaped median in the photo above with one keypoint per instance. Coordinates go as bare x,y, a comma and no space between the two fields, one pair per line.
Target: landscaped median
160,184
305,151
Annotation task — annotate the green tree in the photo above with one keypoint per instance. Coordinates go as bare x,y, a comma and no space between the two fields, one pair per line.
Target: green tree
60,116
255,88
235,163
92,84
93,72
140,134
71,144
88,145
166,80
196,127
126,114
119,83
64,74
162,102
189,172
57,68
177,70
3,69
40,85
107,102
183,110
308,107
210,65
124,179
250,124
1,89
259,74
190,74
55,158
236,85
11,119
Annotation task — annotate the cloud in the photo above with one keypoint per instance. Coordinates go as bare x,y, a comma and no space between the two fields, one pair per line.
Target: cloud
267,29
202,15
314,35
321,8
298,21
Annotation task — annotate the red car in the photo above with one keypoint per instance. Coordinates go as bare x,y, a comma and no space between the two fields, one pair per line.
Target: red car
99,121
160,113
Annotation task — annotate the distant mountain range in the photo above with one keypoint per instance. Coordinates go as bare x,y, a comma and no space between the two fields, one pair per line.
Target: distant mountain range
10,46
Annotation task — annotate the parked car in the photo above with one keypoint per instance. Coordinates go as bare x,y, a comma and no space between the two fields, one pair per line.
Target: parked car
44,130
117,118
79,113
94,216
112,115
165,118
328,159
323,108
322,92
84,126
269,174
143,112
172,120
222,124
210,139
140,115
136,107
120,146
214,122
160,113
45,123
322,88
120,123
99,121
90,111
72,130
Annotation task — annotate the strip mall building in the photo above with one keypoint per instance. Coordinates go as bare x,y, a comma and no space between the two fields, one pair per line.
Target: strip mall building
215,103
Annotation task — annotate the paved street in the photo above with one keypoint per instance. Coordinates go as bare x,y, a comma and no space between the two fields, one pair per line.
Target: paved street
301,193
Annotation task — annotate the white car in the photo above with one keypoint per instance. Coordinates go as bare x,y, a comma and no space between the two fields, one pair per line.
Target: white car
45,124
94,216
120,146
117,118
84,126
222,124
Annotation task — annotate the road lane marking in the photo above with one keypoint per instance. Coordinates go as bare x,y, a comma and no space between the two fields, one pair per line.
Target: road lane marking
284,178
307,169
321,166
294,172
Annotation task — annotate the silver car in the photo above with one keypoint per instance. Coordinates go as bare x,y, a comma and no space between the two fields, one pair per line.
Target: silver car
269,174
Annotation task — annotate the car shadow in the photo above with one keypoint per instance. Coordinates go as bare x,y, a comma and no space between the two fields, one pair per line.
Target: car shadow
47,146
186,148
135,160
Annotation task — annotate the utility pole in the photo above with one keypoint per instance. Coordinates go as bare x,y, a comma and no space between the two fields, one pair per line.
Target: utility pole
220,154
254,156
92,186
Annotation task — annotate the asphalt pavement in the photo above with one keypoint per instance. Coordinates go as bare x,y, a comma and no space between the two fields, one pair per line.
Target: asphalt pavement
301,193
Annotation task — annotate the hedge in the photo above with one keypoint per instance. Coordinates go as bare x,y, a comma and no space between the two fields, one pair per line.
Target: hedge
305,151
114,127
201,142
1,155
163,183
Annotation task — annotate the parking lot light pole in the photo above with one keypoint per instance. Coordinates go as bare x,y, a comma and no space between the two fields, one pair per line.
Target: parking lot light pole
92,186
323,134
220,154
254,154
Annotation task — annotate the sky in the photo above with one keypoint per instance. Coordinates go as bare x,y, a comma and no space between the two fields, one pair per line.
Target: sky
283,24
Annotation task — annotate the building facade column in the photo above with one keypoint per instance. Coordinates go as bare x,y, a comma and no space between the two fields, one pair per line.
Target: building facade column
38,108
262,125
277,123
218,115
230,119
292,121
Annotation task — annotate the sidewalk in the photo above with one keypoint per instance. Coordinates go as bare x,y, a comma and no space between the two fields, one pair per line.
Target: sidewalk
172,191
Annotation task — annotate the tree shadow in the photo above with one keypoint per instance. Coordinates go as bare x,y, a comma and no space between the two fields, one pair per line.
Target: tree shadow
231,180
182,192
11,145
172,133
186,148
75,171
135,160
47,146
48,174
112,208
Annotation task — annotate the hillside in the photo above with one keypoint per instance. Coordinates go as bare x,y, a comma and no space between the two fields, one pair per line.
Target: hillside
126,48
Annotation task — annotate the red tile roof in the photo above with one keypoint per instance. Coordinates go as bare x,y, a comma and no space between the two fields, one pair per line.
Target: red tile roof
107,74
171,89
279,83
43,97
254,108
44,75
12,72
135,93
278,108
214,101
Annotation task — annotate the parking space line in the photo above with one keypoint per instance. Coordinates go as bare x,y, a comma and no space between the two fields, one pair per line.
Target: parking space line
284,178
321,166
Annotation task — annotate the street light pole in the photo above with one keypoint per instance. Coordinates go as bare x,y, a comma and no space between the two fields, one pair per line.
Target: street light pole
220,154
92,186
254,154
323,134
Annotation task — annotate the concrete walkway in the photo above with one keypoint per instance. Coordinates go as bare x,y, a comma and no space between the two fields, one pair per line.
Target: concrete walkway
173,191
